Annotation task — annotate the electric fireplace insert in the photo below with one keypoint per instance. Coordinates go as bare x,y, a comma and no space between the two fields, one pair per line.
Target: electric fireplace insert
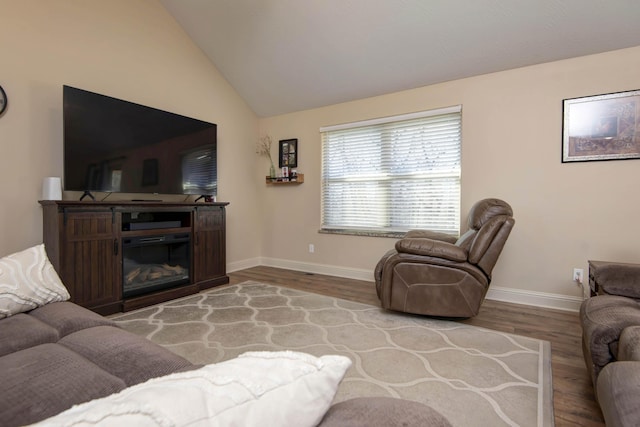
153,263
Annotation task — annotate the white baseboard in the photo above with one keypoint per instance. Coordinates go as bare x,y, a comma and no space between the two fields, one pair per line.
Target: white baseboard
536,299
244,264
306,267
496,293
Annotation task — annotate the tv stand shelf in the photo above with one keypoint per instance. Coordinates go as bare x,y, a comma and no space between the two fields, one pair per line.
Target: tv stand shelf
155,232
84,241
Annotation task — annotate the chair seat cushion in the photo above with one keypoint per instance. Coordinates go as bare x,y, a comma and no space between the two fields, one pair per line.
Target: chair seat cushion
618,392
67,317
124,354
40,381
22,331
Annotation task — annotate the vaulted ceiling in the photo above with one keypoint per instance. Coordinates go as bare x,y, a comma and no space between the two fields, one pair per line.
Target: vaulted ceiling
290,55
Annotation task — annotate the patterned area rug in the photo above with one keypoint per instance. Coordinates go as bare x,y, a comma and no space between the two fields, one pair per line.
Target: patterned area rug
471,375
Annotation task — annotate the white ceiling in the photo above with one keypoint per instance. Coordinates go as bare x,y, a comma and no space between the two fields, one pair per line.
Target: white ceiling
290,55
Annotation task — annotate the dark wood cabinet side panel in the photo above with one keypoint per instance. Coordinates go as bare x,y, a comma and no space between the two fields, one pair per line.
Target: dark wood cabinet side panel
210,245
89,226
89,272
209,256
211,221
87,257
51,223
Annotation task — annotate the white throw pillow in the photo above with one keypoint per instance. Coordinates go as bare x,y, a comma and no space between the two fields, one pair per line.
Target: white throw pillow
255,389
27,281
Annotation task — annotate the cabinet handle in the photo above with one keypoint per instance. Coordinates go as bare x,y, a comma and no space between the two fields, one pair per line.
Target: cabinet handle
115,246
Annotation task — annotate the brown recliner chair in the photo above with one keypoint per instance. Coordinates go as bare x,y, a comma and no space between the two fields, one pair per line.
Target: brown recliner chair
438,275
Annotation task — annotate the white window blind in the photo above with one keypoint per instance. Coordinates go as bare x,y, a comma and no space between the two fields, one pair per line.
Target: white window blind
393,174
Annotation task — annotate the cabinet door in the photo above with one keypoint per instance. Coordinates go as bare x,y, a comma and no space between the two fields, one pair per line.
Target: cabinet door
90,266
209,262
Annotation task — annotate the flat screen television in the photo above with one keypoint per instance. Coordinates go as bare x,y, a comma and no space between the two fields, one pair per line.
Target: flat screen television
112,145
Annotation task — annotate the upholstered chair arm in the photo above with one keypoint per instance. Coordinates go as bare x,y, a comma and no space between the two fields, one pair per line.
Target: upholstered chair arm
433,235
629,344
434,248
377,272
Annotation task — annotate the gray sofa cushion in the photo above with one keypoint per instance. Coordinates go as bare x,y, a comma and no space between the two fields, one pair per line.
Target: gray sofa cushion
382,412
22,331
67,317
44,380
123,354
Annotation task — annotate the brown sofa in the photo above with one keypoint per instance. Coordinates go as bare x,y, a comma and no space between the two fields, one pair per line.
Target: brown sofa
611,344
60,355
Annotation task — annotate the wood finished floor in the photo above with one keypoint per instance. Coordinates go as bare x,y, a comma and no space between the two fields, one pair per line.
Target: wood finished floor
573,398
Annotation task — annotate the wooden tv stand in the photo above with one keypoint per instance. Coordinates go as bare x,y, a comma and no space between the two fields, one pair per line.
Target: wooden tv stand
84,241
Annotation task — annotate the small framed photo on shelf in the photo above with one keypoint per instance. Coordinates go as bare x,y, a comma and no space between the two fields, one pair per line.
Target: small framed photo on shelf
288,153
602,127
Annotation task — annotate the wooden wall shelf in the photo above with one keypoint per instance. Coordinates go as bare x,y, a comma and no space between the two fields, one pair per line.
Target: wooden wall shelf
280,181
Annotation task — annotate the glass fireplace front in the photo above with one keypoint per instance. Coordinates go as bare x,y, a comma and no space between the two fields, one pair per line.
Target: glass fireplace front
152,263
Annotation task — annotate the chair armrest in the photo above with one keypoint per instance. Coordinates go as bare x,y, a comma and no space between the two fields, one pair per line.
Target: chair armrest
434,248
619,279
433,235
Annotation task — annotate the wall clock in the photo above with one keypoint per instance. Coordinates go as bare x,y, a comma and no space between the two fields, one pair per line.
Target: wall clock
3,100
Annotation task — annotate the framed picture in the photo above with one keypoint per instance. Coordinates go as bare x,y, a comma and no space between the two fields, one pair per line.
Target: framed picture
288,153
602,127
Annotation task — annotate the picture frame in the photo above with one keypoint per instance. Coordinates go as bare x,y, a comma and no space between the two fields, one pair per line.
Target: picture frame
288,153
601,127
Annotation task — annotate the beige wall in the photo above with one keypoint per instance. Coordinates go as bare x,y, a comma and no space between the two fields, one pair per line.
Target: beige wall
132,50
512,124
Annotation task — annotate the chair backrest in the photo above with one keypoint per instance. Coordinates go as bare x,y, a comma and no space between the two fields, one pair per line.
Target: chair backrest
490,222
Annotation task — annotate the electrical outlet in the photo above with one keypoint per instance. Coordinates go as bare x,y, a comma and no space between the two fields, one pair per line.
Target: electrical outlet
578,275
312,248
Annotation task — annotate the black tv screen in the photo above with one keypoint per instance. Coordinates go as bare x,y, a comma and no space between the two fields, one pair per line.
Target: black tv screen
112,145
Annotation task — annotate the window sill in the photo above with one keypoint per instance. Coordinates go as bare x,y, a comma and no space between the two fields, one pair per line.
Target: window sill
363,233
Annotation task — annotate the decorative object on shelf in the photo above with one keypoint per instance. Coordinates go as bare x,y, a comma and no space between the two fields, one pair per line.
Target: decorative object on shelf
3,101
51,188
601,127
288,153
264,149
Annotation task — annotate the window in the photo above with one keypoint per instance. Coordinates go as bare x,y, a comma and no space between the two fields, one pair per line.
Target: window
199,170
393,174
